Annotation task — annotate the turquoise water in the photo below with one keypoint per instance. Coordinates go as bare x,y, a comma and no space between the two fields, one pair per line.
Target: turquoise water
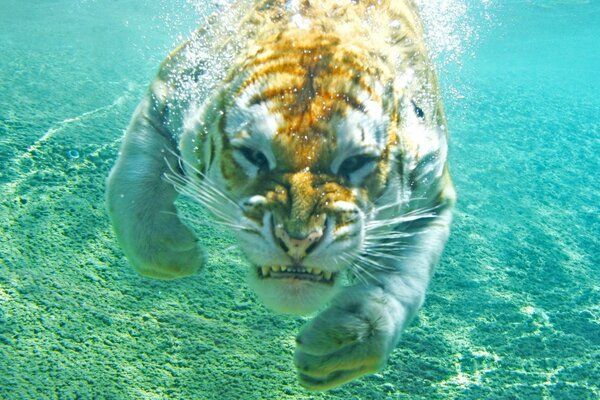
514,308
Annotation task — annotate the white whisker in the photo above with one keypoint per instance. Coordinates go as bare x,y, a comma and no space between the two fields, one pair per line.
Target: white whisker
360,270
206,202
216,221
374,224
392,235
389,239
393,257
206,195
376,266
208,184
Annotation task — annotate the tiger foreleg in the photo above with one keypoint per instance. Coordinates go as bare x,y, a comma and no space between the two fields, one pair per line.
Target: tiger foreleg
140,201
357,333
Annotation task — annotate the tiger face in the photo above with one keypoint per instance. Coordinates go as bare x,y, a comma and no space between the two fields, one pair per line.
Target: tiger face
303,139
322,145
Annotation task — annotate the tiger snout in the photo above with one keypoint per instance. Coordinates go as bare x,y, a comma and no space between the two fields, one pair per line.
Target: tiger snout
298,247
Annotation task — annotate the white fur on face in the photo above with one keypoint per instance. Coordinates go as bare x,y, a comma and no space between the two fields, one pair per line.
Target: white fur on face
338,246
360,133
292,296
253,127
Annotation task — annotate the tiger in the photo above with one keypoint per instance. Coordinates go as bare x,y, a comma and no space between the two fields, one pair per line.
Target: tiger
315,131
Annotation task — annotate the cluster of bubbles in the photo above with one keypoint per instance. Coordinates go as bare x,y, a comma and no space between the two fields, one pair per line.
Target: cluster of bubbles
205,60
452,27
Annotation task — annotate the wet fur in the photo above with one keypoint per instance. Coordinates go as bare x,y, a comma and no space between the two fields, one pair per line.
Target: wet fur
312,85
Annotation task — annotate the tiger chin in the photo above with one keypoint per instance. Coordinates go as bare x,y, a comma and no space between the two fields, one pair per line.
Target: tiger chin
315,131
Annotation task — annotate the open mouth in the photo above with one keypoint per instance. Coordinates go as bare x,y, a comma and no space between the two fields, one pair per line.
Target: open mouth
296,272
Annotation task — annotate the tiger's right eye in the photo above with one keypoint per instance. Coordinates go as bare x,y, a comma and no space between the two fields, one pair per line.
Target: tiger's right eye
255,157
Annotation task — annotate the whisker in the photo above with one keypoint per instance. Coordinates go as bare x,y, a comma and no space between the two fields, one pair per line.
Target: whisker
387,240
364,271
387,255
400,247
374,224
208,203
414,212
216,221
358,272
341,259
392,235
191,189
399,203
208,187
373,264
397,182
210,184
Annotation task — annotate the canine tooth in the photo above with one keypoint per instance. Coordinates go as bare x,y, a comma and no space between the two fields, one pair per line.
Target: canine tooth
309,270
265,271
276,268
317,271
327,275
283,268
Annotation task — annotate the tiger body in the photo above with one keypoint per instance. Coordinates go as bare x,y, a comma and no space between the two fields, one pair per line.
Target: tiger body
323,146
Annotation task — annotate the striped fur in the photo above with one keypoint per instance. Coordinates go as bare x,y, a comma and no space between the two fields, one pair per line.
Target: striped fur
321,141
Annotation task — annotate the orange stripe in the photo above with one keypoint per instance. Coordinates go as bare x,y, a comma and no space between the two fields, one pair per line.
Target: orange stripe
341,78
287,67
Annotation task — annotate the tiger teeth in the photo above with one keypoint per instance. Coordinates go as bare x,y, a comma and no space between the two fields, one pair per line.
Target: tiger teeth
322,275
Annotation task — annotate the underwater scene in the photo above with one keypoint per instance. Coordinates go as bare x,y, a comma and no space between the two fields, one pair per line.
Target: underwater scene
513,308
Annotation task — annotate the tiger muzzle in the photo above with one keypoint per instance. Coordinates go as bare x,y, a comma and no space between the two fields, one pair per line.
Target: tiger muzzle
298,248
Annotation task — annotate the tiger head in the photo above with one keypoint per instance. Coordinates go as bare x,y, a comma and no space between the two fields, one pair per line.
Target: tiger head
296,149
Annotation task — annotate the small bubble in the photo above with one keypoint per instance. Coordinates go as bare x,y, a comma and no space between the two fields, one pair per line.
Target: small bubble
73,154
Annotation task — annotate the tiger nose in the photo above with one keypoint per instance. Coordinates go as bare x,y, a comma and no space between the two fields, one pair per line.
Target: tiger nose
298,248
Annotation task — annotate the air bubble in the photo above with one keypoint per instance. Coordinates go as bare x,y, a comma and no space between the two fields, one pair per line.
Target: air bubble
73,154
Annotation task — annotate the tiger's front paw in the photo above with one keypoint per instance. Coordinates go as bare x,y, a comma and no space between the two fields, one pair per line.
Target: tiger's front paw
352,338
165,249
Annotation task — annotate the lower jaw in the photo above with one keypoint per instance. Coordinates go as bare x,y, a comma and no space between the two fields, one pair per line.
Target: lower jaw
289,294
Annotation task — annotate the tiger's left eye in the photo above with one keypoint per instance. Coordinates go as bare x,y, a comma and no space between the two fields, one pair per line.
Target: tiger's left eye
354,163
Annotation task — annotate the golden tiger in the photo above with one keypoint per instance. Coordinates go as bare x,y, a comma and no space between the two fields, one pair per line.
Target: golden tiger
315,131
